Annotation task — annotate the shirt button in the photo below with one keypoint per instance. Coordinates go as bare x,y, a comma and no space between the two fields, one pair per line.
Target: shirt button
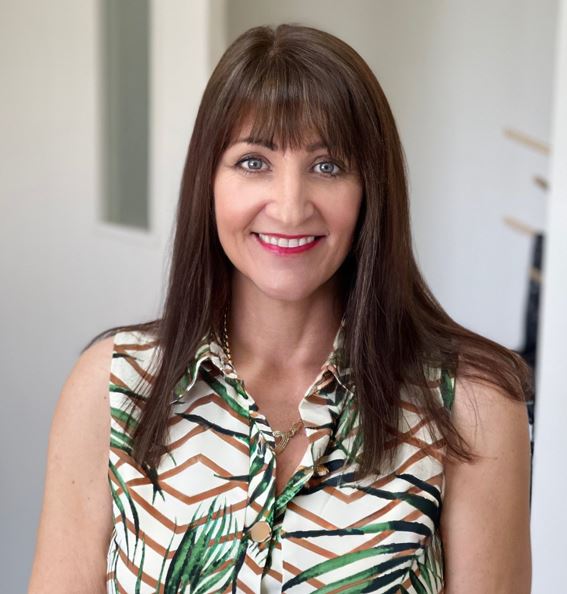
260,531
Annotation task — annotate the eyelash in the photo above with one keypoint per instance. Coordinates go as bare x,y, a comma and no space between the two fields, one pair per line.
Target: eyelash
253,157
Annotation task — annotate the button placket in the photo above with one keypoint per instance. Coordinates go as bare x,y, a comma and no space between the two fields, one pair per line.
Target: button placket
261,495
264,513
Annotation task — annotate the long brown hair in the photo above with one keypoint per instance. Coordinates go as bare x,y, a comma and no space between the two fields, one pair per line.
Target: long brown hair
291,79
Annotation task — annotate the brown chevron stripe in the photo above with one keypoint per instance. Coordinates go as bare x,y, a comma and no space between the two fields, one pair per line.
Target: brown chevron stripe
147,579
143,373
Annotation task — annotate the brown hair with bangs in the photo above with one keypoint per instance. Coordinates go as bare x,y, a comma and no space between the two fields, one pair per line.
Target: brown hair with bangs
289,80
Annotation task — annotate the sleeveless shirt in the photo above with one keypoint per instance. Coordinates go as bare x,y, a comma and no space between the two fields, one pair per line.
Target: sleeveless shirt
208,519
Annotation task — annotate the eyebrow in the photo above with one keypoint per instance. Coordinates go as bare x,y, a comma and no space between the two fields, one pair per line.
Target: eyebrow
274,147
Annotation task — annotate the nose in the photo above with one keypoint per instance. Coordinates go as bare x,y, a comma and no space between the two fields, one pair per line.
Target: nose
291,203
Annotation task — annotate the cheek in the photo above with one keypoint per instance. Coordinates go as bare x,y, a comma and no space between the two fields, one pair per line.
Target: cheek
234,210
346,212
226,205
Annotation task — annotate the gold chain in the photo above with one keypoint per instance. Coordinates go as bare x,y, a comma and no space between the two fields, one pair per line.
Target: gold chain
281,437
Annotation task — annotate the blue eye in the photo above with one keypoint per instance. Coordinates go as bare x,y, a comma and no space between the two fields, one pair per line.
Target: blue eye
254,165
329,165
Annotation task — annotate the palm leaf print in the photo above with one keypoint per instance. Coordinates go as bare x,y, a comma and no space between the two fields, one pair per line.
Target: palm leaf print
121,439
118,503
447,389
164,560
220,387
133,396
140,569
203,559
114,471
344,560
112,561
427,575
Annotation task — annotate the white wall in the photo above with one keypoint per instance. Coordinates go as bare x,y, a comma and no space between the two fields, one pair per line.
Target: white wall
65,278
456,73
549,524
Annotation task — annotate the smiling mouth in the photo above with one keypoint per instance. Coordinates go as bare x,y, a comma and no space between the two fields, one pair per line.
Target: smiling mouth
287,245
287,241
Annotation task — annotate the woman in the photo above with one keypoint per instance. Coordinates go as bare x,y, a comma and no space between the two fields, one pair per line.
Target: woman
235,460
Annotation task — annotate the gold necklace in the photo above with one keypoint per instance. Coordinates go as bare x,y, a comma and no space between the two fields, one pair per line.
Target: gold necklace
281,437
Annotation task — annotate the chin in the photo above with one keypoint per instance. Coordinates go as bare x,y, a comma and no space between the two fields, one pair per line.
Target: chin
287,291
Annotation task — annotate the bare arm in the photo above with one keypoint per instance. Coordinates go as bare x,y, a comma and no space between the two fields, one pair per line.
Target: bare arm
485,517
76,517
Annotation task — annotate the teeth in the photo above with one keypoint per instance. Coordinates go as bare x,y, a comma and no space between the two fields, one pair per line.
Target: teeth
282,242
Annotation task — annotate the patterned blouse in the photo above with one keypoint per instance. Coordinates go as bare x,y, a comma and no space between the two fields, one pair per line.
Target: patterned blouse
208,518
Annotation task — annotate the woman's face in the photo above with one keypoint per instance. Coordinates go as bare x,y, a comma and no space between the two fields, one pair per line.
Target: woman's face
285,220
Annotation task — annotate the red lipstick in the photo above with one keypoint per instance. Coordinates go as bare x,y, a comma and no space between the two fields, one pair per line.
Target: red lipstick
283,251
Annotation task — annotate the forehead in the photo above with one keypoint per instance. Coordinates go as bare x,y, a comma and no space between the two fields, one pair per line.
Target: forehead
244,133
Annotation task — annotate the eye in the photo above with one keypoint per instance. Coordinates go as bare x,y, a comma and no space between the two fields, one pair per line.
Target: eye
254,164
329,168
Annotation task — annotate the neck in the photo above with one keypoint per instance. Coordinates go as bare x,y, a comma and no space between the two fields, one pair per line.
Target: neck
281,336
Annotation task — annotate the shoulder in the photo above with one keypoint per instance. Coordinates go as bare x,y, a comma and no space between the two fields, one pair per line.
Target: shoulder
82,408
94,362
485,517
96,382
95,365
87,382
488,418
495,429
479,409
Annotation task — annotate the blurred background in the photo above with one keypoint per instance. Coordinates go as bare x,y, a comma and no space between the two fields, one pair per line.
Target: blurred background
97,105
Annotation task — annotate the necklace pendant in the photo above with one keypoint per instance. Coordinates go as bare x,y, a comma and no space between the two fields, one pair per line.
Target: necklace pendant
281,440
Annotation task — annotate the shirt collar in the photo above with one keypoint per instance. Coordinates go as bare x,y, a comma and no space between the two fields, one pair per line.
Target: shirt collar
210,349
